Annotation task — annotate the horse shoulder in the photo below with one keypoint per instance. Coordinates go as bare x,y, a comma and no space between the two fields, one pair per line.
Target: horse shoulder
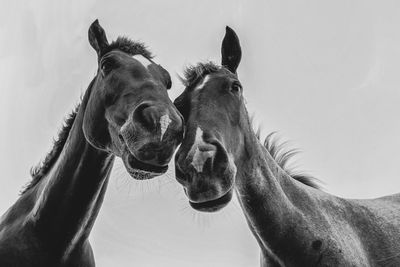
20,248
327,236
377,224
82,257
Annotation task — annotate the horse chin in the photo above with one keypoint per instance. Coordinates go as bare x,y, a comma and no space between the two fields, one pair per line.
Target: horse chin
141,171
213,205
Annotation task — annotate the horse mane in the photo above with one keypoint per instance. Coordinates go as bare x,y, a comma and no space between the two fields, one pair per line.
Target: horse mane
130,47
282,155
193,73
40,170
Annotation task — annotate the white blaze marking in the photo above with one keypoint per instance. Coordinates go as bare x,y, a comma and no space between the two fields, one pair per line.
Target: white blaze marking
198,139
199,157
201,85
145,62
164,123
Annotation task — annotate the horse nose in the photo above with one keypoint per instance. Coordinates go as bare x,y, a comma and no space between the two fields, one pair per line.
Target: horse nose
202,154
160,128
152,115
147,115
199,159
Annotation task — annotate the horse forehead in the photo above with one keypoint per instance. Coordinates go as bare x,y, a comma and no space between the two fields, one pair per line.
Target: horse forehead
143,60
201,85
215,79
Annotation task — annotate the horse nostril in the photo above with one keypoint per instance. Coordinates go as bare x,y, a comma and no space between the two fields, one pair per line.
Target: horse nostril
210,148
181,176
146,115
203,157
121,138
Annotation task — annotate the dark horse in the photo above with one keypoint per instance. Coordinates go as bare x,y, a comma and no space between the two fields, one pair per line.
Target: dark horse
125,112
294,222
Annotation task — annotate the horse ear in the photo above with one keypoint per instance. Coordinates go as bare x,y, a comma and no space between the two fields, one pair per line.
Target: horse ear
166,77
182,105
97,38
230,50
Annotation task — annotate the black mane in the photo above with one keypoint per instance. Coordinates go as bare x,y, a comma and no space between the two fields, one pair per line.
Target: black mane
130,47
282,156
192,74
43,168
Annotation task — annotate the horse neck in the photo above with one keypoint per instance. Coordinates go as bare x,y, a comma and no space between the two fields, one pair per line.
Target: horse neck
68,199
275,205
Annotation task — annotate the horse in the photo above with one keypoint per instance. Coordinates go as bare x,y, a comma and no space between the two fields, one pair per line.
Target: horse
126,113
293,220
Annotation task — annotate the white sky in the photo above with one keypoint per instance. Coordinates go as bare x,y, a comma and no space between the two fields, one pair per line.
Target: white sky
325,74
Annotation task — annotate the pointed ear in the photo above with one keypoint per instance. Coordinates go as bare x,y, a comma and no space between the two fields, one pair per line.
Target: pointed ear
166,77
230,50
97,38
182,104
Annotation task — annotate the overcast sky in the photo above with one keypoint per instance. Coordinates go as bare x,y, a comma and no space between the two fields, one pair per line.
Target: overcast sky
326,74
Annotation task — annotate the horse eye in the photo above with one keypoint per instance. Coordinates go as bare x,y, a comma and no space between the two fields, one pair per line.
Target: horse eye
106,67
236,88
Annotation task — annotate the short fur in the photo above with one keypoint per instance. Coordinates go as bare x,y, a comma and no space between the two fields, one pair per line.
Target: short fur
294,225
193,74
123,44
50,223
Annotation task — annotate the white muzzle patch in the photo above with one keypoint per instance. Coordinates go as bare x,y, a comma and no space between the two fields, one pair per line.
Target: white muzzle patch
164,123
199,157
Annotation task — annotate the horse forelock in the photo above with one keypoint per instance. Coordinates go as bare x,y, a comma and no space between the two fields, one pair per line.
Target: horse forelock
193,73
130,47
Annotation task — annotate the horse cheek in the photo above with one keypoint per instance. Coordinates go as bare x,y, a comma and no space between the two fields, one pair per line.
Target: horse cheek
95,126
